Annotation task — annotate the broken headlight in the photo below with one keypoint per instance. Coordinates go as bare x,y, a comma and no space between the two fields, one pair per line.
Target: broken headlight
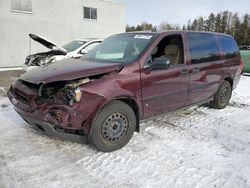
73,95
78,94
46,60
67,93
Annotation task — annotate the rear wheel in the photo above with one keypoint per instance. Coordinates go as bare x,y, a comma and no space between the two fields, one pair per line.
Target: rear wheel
222,96
113,127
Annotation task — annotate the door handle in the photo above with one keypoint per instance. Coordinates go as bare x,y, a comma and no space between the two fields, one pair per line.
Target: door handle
184,71
195,70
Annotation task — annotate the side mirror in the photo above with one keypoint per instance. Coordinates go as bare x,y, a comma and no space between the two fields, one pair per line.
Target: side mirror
83,51
77,56
160,64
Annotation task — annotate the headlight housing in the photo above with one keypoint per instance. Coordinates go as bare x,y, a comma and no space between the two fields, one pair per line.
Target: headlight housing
78,94
45,60
73,95
68,93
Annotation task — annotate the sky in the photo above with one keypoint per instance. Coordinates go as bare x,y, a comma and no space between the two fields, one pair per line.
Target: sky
178,11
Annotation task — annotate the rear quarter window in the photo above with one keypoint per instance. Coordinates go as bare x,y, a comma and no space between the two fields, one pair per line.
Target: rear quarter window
203,47
229,46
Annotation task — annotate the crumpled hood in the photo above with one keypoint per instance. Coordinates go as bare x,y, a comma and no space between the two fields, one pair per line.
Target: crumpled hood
47,43
68,69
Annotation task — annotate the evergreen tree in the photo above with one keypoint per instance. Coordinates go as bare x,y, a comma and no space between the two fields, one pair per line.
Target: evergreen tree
235,31
138,27
200,24
129,29
229,23
210,23
189,25
194,25
218,23
224,20
184,27
245,29
144,26
147,27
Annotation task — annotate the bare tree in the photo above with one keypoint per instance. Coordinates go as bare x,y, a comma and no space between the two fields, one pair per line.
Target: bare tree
165,26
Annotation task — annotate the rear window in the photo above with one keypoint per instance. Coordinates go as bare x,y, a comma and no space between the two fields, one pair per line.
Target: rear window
229,46
203,47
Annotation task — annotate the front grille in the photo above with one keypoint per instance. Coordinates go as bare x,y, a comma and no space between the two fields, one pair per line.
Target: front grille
21,96
20,88
31,86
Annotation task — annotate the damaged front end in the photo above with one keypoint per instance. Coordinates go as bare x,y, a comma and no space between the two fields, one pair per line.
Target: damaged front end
55,108
65,93
62,99
41,59
56,53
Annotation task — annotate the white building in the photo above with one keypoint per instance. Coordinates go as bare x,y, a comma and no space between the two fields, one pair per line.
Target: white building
58,20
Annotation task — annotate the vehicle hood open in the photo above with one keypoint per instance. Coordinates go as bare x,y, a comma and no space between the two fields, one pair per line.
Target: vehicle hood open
68,69
47,43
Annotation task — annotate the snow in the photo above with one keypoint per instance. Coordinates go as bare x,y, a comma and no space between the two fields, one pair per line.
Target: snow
2,69
198,147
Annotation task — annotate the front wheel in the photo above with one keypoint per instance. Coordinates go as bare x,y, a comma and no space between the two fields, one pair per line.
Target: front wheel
113,127
222,96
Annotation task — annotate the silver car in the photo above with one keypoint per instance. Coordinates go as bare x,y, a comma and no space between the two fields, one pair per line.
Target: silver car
73,49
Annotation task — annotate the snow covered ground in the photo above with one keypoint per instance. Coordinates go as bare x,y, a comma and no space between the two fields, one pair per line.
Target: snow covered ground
198,147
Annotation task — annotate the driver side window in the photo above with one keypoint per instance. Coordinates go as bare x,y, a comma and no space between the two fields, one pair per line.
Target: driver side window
170,47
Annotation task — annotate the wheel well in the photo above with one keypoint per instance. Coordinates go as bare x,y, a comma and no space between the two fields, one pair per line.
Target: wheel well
230,80
135,108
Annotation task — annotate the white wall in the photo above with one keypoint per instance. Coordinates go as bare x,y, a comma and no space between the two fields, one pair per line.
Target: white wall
57,20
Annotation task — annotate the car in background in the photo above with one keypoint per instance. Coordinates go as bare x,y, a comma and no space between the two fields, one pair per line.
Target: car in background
244,47
74,49
245,57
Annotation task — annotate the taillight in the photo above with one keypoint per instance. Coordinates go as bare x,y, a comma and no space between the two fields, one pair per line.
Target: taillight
241,64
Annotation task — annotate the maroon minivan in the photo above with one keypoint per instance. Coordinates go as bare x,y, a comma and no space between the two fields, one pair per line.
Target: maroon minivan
102,97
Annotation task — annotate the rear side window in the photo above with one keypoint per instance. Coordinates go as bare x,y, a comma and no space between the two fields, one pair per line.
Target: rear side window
229,46
203,47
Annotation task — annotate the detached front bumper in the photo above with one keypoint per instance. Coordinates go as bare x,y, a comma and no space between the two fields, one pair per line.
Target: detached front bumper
50,130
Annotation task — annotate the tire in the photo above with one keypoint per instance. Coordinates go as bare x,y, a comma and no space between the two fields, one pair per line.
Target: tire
222,96
113,126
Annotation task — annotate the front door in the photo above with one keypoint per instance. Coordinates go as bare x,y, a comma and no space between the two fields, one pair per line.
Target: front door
165,90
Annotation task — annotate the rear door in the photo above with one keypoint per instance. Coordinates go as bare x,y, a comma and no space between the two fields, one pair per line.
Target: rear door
205,66
165,90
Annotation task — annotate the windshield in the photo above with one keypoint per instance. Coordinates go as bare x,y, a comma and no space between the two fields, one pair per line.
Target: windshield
73,45
122,48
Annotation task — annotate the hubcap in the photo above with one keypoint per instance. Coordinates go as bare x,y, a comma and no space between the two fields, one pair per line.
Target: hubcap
114,127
